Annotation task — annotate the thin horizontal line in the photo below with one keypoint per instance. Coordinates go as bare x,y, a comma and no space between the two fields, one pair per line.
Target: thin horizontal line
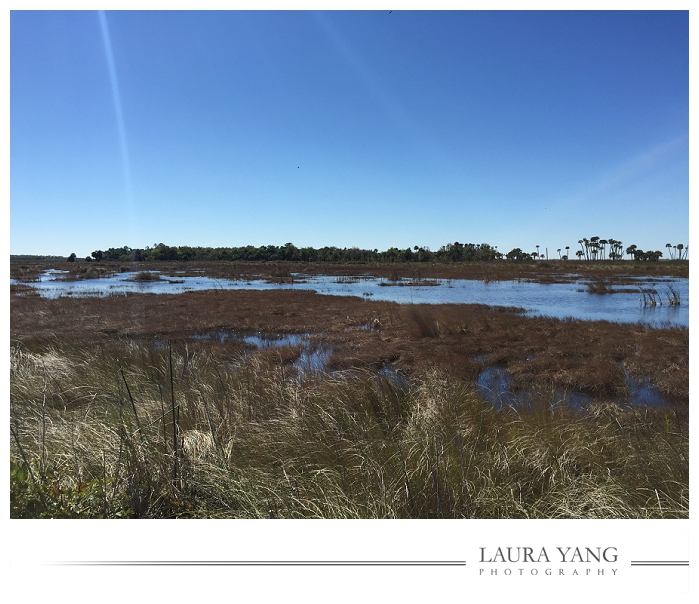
263,563
660,563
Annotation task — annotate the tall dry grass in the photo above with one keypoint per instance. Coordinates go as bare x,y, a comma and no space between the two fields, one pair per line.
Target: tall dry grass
132,431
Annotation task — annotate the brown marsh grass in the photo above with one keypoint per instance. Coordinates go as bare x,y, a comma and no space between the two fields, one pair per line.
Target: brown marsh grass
111,425
146,276
587,356
553,271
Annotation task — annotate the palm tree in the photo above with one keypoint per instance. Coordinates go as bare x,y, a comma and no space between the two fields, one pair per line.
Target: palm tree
631,250
559,253
680,247
586,242
603,243
537,250
616,246
669,248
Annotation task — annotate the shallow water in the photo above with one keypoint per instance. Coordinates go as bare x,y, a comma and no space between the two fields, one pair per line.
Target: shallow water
494,383
495,386
558,300
311,360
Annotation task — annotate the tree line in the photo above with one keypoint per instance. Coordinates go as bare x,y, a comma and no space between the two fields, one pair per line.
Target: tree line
454,252
593,249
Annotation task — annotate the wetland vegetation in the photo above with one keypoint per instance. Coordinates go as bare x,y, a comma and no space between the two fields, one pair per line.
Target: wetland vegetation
290,404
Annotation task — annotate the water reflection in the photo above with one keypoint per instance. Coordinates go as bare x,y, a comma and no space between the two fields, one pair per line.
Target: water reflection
495,386
494,383
312,359
558,300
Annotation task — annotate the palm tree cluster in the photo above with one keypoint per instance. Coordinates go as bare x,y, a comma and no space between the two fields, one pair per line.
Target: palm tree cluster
595,248
675,251
639,254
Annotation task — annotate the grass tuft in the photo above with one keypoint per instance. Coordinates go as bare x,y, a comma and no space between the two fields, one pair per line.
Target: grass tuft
246,439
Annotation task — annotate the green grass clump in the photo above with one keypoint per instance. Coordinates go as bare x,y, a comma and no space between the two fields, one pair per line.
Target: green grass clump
136,431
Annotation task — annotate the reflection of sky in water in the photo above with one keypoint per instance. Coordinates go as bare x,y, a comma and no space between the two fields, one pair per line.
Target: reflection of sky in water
556,300
311,359
493,383
495,386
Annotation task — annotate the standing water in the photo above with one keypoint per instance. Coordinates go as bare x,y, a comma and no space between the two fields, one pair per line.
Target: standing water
558,300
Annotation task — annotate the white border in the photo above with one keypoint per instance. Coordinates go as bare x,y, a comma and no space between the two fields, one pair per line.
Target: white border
31,546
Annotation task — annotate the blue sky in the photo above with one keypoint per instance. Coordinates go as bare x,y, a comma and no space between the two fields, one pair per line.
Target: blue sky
363,129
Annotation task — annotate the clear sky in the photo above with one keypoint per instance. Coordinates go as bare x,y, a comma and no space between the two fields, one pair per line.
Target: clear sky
363,129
